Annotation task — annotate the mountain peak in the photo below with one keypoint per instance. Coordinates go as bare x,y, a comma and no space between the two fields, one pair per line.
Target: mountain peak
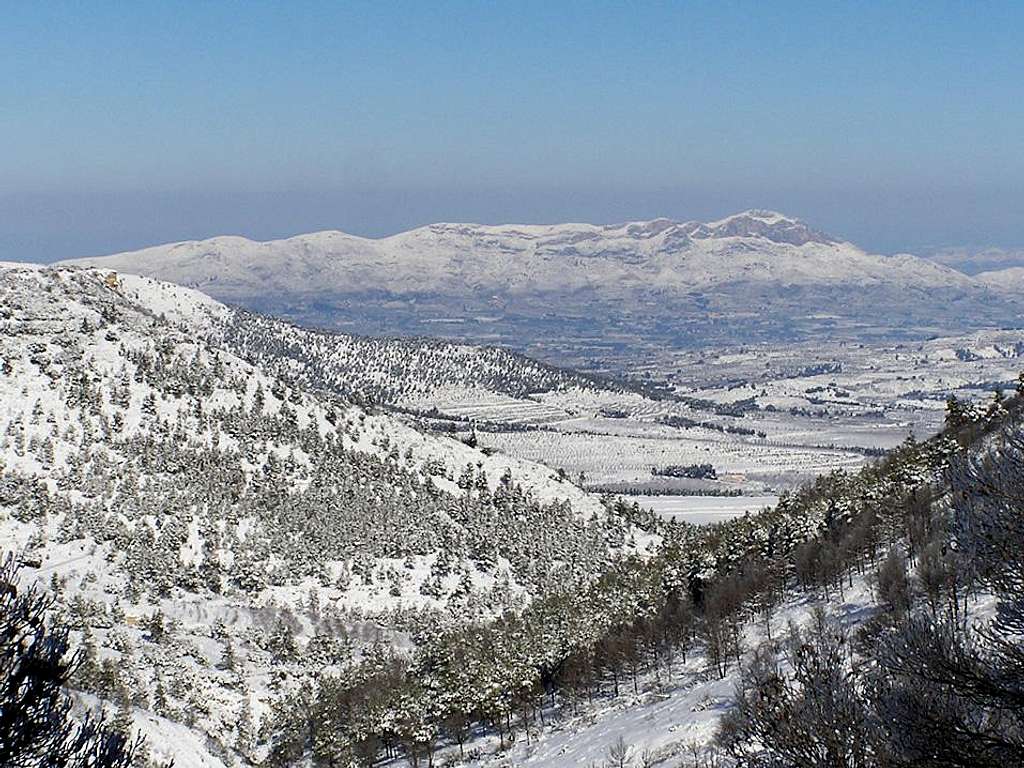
770,225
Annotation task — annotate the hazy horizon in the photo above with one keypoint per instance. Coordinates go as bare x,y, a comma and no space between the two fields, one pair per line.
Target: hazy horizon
139,221
894,127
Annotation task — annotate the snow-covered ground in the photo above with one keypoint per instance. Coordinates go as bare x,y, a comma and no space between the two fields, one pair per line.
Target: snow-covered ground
766,417
101,373
674,710
705,509
678,710
751,465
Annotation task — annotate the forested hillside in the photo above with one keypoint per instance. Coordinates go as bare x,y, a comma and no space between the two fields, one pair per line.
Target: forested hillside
200,521
935,675
405,372
259,574
708,590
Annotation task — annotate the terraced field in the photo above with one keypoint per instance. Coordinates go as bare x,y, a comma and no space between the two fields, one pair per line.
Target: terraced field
499,410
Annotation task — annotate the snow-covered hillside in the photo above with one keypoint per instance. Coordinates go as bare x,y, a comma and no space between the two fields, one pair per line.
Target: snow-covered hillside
116,370
1008,281
420,374
145,472
410,373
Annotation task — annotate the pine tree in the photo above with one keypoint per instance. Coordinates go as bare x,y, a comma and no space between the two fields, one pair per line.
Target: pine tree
246,729
36,726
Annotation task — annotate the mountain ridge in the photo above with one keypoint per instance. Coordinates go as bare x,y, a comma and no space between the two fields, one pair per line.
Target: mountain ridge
756,274
636,227
427,244
457,245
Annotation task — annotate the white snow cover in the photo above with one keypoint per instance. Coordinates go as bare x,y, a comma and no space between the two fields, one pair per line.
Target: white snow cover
665,716
59,323
1009,280
753,246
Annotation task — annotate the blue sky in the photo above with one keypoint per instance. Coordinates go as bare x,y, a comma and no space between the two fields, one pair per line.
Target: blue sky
898,125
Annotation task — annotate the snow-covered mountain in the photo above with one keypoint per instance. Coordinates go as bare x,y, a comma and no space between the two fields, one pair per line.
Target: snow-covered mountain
1006,281
757,246
758,270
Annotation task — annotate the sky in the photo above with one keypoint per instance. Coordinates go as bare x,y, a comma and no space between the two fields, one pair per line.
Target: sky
896,125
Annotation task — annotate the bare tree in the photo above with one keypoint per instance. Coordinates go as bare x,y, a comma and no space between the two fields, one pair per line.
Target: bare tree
800,705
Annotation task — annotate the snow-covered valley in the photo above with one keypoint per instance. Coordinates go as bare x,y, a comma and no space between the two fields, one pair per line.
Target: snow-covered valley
511,385
493,561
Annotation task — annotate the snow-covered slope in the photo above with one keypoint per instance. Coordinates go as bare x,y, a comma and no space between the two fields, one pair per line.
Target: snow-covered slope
423,375
419,373
1008,281
102,367
145,471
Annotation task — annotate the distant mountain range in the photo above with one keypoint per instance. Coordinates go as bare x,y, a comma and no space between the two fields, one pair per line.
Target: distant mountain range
577,292
974,261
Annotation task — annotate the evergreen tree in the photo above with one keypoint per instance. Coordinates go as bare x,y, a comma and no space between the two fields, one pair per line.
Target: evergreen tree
36,726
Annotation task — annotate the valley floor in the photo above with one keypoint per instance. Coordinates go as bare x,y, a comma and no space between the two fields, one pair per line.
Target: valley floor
766,417
704,509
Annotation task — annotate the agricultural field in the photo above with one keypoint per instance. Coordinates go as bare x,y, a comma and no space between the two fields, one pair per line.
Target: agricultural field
608,458
764,417
700,510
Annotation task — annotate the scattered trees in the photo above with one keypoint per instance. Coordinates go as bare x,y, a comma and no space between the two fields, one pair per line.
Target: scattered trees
920,685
